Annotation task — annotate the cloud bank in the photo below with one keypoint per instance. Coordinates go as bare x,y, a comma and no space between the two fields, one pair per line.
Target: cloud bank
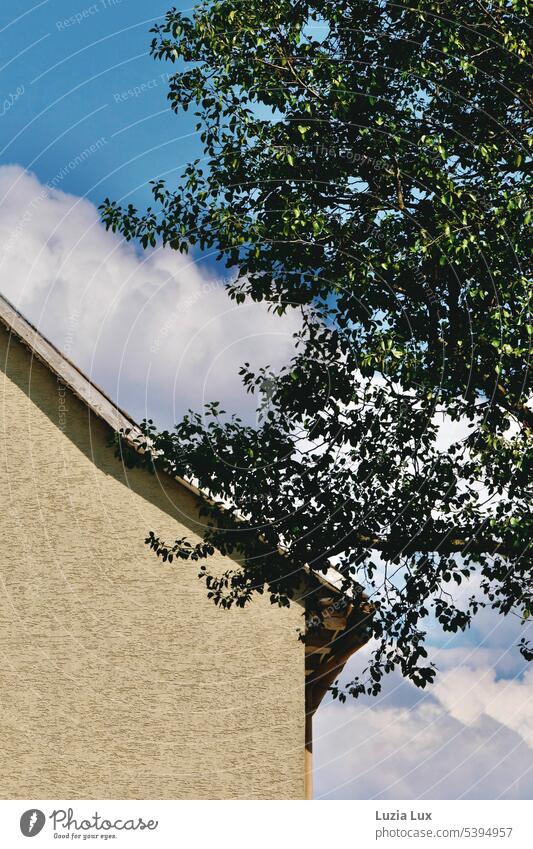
469,736
156,330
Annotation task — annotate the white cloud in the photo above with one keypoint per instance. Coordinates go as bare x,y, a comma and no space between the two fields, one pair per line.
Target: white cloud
469,693
156,330
364,752
470,735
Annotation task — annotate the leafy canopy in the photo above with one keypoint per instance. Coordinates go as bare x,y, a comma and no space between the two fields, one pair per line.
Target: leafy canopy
365,163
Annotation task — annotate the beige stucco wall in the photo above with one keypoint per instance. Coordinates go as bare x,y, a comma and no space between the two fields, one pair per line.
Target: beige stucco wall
118,678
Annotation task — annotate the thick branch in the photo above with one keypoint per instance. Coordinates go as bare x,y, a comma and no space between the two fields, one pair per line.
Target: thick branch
456,540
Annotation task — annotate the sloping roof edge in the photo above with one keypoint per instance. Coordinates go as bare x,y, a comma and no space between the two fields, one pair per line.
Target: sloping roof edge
71,376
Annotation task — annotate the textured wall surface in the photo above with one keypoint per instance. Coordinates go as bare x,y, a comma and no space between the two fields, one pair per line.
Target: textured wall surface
119,679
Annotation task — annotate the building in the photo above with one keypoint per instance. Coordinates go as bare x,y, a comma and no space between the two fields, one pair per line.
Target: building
120,679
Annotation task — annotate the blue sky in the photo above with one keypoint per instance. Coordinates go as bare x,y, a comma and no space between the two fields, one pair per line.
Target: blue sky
87,75
157,331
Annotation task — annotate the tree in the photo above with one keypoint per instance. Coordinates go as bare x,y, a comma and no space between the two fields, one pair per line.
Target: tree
366,163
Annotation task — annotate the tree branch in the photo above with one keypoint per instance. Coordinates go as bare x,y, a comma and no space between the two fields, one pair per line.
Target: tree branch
456,540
